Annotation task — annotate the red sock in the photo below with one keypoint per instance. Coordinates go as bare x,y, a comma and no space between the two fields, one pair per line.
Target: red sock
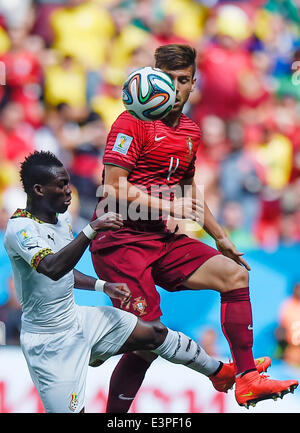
236,319
125,382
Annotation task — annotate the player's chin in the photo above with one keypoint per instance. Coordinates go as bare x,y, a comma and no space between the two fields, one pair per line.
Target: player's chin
63,207
177,107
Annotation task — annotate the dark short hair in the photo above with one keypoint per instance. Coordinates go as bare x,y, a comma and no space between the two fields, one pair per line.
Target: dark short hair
175,56
35,169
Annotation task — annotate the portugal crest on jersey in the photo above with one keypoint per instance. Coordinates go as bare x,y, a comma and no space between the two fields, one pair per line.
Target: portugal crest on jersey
190,144
140,305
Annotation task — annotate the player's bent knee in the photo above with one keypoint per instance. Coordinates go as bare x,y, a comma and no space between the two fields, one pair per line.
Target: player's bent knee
146,336
160,333
154,335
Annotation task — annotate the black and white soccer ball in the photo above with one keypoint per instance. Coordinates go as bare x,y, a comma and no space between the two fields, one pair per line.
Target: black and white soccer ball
149,93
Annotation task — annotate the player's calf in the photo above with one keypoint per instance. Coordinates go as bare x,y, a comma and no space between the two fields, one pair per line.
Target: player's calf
180,349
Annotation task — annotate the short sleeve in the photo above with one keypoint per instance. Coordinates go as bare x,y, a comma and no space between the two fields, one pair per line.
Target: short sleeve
24,239
124,142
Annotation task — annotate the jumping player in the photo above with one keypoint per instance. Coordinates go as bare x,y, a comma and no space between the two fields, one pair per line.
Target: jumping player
60,339
144,161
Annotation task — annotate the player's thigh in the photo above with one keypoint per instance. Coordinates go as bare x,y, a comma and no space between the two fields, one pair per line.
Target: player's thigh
218,273
107,329
183,257
58,366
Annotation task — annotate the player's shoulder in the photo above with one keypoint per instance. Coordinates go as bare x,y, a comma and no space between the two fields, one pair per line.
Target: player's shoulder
21,217
128,127
127,122
187,122
19,223
125,119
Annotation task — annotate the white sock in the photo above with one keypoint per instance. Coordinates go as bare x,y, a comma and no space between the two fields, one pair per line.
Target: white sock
180,349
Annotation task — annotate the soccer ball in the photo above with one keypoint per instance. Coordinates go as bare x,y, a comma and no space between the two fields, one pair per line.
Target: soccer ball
149,93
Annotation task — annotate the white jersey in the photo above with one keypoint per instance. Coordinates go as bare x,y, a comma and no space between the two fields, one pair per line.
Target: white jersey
48,306
59,339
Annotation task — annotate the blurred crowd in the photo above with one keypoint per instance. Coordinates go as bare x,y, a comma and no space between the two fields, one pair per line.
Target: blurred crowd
287,334
62,66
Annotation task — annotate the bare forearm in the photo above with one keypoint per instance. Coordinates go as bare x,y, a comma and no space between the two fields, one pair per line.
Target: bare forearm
213,228
63,261
57,265
127,193
209,222
117,189
82,281
211,225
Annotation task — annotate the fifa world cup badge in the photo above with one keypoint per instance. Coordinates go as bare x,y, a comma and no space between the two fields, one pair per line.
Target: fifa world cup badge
74,402
122,143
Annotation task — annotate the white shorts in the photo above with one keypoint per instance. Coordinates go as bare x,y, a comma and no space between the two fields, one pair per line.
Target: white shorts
58,362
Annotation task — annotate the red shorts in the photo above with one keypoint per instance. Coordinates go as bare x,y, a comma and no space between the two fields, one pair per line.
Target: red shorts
162,259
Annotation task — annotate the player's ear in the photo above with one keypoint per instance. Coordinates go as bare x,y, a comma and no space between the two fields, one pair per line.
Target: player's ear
193,84
38,189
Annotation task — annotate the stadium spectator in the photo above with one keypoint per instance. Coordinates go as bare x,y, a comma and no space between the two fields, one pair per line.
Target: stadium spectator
10,315
86,166
208,340
15,133
223,62
5,271
65,82
82,30
288,331
23,68
239,176
233,217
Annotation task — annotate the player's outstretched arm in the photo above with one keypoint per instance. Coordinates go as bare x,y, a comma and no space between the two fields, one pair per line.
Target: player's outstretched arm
57,265
213,228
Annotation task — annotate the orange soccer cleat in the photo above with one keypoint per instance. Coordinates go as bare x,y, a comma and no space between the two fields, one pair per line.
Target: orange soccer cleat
225,378
253,387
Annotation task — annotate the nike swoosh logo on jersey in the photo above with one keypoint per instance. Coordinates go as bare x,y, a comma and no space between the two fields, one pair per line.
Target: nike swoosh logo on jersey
122,397
156,138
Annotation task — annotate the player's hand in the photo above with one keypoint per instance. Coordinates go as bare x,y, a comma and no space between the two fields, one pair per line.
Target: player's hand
118,291
228,249
188,208
108,221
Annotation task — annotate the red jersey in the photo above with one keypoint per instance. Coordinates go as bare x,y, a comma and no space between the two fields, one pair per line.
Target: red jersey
156,155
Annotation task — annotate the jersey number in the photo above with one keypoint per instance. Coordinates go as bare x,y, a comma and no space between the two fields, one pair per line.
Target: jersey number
174,163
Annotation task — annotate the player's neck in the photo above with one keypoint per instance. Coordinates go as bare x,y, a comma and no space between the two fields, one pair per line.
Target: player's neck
42,214
172,119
